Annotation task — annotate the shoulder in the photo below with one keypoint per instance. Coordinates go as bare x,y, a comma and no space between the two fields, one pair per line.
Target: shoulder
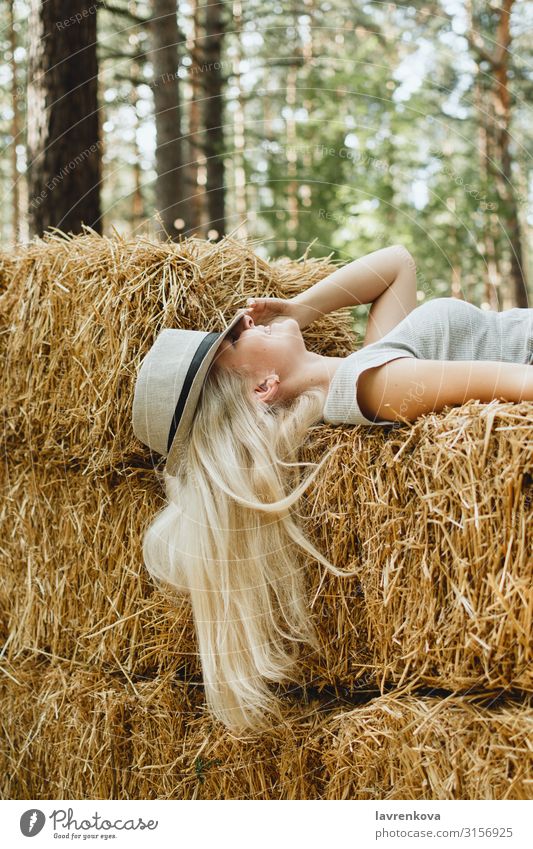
439,306
382,388
345,404
445,304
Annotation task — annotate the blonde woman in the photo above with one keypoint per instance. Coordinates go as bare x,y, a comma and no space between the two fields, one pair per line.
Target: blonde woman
229,412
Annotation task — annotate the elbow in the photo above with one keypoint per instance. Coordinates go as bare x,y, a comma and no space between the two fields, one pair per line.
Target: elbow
404,255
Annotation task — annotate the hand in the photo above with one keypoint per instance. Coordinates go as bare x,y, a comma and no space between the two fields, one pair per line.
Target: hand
267,310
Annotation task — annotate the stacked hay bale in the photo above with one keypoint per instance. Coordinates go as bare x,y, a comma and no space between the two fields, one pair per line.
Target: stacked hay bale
76,732
438,516
102,689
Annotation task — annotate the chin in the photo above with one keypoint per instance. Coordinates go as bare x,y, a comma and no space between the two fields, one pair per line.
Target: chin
288,324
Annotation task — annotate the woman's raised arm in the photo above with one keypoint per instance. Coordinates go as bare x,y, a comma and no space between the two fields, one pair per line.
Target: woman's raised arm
360,282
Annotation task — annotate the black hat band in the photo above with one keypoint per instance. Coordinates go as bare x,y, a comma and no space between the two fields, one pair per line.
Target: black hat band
195,364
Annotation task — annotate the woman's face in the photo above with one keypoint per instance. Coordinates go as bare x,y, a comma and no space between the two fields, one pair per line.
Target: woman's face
262,349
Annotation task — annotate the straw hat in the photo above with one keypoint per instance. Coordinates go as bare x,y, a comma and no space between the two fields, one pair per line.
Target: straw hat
168,387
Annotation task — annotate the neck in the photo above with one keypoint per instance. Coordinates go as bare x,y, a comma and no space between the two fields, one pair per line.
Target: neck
313,371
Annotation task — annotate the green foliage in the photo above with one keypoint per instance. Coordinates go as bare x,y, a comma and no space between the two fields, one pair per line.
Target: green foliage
360,128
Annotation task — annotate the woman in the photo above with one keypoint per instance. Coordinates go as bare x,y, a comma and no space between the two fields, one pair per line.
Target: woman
230,410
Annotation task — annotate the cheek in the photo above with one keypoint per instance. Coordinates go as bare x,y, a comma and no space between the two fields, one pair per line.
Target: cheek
247,352
255,350
222,360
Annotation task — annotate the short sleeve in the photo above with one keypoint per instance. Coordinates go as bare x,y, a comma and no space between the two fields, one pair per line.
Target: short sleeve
341,405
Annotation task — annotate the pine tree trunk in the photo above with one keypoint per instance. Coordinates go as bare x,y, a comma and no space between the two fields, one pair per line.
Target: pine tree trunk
195,168
170,184
239,173
292,161
493,275
64,151
214,118
14,127
502,122
497,123
137,203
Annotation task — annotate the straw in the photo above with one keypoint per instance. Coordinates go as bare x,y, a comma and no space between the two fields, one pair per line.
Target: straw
103,694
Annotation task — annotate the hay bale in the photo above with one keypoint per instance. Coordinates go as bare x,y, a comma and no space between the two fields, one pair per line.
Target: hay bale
439,517
70,731
437,514
83,311
73,732
410,748
74,583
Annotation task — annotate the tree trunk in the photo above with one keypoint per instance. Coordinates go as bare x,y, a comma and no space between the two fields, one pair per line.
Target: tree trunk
14,126
170,183
292,161
137,202
493,275
64,150
239,173
195,168
502,124
214,118
498,124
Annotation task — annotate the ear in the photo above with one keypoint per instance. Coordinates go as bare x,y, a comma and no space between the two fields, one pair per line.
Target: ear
268,389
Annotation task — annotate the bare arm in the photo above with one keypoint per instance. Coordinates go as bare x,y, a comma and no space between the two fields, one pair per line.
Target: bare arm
406,388
394,303
363,281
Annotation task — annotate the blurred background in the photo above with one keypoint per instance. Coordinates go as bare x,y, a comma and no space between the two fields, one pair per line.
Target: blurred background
346,126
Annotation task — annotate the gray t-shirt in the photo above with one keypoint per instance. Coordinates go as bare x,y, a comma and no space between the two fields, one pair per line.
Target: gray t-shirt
439,329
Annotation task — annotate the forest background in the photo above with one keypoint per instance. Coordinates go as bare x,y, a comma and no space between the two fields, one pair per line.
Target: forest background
348,125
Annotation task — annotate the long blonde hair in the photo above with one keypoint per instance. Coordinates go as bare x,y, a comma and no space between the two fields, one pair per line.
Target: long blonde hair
227,538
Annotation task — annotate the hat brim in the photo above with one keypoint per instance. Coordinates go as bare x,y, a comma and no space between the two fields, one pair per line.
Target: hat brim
184,426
